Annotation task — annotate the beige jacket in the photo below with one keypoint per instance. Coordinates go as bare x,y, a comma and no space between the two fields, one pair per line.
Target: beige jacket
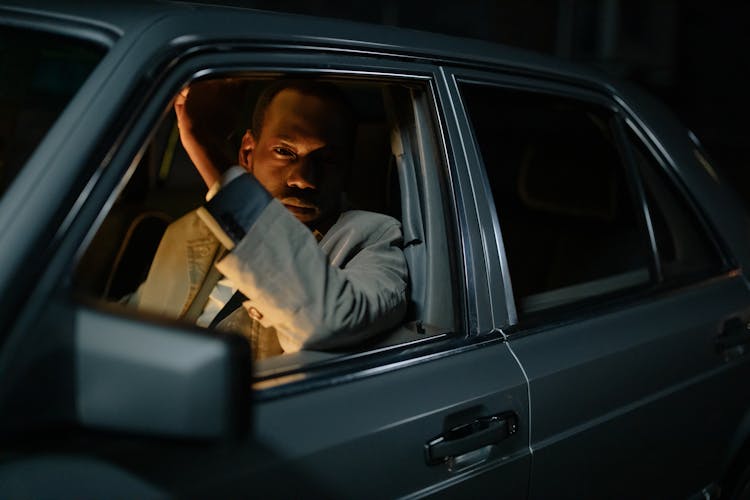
340,291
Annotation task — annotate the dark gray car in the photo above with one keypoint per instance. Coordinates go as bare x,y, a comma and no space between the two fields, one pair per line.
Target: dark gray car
578,319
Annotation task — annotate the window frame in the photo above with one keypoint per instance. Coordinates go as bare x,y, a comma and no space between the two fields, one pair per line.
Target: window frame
146,110
76,28
681,191
585,92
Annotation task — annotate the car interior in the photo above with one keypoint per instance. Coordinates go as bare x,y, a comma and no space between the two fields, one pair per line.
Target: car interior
165,186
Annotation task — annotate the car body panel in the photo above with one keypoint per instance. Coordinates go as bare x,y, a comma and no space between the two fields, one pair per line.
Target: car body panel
618,395
615,390
284,424
630,389
383,422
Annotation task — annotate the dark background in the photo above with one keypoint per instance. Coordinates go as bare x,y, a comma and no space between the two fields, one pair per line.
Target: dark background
689,53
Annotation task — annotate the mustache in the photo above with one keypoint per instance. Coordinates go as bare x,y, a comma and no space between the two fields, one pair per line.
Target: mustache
299,201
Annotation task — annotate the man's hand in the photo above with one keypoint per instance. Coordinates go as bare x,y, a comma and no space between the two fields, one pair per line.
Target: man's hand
203,123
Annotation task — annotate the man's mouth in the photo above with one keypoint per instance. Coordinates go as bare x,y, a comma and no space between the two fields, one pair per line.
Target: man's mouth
302,209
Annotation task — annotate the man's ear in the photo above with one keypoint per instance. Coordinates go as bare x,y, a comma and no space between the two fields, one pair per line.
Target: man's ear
246,150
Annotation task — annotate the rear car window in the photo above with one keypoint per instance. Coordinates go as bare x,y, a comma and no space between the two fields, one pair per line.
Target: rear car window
566,209
685,250
39,74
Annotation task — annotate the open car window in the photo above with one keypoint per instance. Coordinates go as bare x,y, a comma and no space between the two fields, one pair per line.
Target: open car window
164,186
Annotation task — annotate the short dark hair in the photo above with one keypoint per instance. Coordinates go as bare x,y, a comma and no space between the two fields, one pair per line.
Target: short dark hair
306,86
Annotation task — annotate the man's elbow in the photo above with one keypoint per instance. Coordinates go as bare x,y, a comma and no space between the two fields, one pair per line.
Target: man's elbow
344,329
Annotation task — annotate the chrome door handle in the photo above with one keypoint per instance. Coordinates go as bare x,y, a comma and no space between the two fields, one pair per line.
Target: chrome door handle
733,333
462,439
733,340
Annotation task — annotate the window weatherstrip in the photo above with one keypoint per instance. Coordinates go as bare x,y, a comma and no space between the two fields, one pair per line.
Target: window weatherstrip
667,166
639,195
581,291
484,183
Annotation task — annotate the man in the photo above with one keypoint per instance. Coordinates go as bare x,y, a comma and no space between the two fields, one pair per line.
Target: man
273,236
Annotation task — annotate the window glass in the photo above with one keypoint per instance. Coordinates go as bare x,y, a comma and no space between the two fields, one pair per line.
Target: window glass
684,248
570,227
39,73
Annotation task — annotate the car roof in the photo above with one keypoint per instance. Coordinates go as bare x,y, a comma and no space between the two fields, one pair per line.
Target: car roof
226,22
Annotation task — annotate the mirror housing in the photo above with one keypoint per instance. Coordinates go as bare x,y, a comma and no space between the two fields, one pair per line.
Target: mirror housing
159,378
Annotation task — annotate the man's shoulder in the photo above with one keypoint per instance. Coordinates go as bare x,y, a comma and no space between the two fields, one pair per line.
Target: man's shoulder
189,226
366,217
363,226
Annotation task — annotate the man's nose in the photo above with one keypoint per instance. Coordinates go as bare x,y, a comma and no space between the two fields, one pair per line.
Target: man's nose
301,174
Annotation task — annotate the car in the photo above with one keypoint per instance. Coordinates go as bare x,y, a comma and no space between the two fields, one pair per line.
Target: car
579,298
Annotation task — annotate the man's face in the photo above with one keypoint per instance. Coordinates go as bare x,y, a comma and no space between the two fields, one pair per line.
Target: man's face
301,154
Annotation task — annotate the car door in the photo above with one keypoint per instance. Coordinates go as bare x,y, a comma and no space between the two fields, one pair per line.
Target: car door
623,293
444,414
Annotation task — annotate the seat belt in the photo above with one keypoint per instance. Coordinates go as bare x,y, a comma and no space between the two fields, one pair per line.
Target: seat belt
233,303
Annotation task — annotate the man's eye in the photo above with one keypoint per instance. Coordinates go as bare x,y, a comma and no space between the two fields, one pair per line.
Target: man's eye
285,152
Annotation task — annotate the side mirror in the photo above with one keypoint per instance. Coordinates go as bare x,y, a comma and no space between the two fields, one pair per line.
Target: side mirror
159,379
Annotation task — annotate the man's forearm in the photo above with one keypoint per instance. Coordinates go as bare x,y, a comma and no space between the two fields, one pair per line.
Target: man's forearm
233,209
318,298
197,139
315,298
